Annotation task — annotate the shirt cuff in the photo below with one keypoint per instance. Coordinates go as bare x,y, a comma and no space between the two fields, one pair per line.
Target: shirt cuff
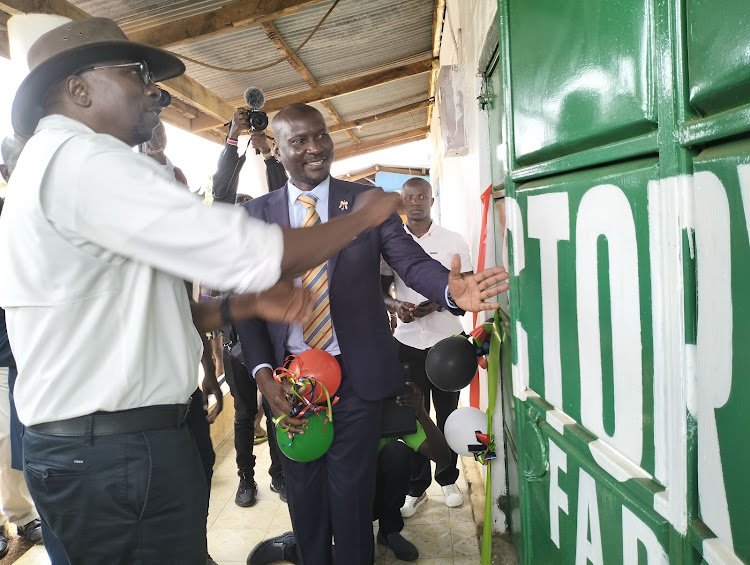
259,367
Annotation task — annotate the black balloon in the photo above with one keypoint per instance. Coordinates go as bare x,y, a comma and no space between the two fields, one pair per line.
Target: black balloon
451,363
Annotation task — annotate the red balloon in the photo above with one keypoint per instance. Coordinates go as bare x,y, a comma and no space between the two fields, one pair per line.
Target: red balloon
322,367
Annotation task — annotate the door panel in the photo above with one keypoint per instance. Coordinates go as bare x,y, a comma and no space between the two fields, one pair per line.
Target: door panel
581,75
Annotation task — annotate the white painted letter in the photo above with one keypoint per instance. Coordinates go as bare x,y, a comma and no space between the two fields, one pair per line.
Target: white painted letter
548,221
714,347
634,531
605,211
588,516
558,461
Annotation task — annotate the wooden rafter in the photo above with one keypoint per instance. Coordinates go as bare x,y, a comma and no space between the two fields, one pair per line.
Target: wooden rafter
390,141
234,15
283,47
351,85
381,116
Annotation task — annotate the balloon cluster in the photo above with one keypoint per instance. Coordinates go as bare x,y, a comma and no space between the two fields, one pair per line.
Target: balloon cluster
314,376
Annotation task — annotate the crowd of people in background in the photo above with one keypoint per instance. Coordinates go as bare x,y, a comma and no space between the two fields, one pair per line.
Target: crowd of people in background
111,294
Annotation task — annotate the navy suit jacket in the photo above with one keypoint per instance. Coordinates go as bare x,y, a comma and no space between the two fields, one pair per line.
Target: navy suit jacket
358,311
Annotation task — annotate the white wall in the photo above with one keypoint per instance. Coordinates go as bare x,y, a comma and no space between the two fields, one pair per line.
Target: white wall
469,37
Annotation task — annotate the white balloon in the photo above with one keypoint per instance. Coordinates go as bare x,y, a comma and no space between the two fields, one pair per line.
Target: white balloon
460,427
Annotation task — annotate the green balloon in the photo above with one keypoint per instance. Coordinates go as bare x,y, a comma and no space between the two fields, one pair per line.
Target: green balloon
311,445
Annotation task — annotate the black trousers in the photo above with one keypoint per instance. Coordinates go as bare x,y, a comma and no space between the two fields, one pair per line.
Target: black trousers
391,486
129,499
445,403
333,495
245,394
200,428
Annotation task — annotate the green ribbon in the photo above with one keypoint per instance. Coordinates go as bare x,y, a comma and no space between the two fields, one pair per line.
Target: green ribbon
493,374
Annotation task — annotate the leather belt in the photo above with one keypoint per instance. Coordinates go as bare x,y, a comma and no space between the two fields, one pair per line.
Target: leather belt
130,421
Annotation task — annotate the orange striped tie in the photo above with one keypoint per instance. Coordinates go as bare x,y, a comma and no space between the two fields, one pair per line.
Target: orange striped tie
318,331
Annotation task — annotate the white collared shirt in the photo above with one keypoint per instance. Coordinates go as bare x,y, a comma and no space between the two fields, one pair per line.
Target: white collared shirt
440,244
95,241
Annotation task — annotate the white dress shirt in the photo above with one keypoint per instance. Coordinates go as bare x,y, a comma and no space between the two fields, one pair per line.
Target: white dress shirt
422,333
95,242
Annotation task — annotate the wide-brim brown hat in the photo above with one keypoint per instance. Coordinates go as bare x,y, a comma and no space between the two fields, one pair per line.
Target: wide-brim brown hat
72,47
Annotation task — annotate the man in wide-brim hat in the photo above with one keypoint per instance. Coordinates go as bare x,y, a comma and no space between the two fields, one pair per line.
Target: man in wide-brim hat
95,242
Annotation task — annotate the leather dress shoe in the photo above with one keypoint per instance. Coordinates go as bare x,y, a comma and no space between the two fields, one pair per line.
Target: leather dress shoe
32,531
4,545
280,548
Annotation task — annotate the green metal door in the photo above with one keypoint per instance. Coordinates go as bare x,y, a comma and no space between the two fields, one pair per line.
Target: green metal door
627,128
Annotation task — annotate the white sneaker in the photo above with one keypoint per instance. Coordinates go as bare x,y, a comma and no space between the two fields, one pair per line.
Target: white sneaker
453,496
411,503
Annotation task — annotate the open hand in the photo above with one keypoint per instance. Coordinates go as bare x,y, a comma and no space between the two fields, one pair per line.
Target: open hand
470,290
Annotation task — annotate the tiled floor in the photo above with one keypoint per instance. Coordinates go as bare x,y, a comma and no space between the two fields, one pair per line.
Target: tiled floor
444,536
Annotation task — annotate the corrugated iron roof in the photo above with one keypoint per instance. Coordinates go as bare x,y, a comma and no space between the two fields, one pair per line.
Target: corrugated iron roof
358,38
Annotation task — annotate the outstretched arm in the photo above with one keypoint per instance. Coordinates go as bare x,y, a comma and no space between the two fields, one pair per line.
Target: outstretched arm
305,248
470,290
283,302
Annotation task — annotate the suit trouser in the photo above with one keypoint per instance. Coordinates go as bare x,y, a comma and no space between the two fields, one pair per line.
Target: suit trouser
391,486
245,395
445,403
18,507
130,499
333,495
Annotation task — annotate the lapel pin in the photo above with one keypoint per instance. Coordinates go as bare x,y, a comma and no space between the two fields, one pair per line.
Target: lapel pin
343,205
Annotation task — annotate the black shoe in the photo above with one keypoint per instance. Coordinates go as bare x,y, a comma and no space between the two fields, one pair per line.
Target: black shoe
4,545
402,548
210,561
32,531
278,485
247,492
280,548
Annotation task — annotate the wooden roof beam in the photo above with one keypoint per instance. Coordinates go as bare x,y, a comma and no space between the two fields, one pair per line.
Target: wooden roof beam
351,85
230,17
283,47
381,116
383,143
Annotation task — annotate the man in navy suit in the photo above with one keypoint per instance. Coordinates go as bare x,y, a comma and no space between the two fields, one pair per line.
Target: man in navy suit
333,495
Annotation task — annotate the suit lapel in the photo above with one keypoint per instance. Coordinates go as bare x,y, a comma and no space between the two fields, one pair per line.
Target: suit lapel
277,207
340,202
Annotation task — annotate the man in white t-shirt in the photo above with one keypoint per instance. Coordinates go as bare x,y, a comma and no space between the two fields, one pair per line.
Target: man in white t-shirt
421,324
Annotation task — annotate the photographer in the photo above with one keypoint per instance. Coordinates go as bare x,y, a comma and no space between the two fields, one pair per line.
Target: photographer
227,174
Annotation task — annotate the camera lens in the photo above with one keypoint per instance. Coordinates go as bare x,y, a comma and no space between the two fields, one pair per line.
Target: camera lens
258,120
